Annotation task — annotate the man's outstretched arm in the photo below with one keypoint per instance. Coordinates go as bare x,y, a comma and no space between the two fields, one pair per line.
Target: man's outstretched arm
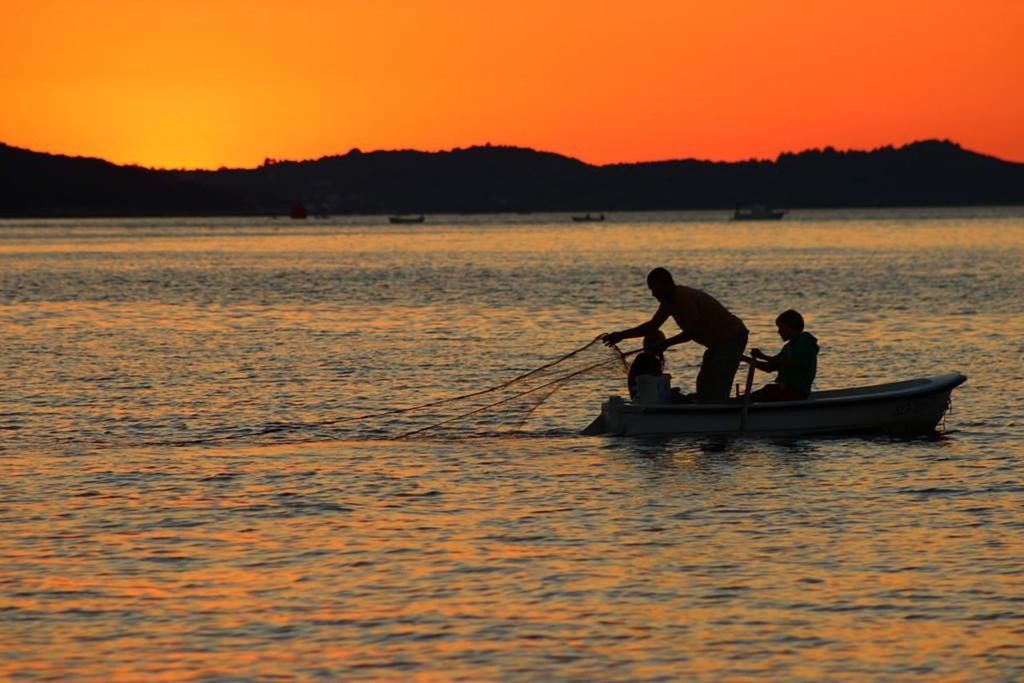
651,325
683,336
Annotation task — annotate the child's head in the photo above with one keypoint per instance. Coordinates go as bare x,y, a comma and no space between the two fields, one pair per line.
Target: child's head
653,340
790,324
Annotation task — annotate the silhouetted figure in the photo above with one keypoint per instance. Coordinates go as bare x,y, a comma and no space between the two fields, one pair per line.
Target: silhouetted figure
650,361
298,210
796,363
702,319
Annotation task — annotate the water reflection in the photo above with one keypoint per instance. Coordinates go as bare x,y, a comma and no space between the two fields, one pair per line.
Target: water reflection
167,512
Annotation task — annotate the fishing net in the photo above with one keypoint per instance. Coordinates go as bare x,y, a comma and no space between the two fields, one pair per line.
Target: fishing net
510,405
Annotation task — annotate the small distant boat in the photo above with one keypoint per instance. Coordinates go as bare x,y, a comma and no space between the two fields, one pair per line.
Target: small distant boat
298,210
589,218
401,220
757,212
911,407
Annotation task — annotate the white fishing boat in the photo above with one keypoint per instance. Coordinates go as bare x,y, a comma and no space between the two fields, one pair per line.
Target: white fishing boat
910,407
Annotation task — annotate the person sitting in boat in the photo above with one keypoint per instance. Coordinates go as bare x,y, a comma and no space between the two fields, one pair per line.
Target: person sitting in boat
701,318
796,363
650,361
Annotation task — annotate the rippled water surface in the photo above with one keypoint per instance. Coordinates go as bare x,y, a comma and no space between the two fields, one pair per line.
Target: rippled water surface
184,496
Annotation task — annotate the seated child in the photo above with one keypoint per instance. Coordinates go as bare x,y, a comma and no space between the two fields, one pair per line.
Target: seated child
647,362
796,363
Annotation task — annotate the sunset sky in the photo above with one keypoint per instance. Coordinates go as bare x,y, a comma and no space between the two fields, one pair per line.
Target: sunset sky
206,83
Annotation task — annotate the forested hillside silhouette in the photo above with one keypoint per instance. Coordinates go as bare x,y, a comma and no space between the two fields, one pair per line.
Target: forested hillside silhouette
495,179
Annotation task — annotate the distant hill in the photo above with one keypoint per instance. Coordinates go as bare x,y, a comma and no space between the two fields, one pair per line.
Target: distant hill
494,179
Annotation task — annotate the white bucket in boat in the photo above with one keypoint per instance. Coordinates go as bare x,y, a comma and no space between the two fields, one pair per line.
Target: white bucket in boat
654,388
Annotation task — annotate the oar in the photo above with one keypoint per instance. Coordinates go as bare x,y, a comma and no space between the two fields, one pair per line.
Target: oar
746,395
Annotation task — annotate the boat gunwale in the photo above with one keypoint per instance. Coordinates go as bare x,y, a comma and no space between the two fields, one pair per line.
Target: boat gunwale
928,386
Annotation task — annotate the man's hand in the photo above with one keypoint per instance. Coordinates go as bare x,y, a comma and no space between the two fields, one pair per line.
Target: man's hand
758,353
611,338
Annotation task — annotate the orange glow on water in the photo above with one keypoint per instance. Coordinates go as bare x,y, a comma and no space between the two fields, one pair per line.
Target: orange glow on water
227,82
139,546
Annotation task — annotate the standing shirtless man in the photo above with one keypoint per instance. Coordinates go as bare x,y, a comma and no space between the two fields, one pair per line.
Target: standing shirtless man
701,318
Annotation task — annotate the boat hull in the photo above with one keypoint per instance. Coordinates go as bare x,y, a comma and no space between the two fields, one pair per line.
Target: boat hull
912,407
770,216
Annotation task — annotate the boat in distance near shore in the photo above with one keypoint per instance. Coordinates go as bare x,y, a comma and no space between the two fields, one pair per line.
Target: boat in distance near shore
589,218
401,220
757,212
903,408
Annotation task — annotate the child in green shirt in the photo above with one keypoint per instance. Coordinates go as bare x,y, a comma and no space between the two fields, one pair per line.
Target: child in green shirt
796,363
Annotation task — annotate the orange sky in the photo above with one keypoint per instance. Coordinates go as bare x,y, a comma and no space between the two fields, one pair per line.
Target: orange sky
204,83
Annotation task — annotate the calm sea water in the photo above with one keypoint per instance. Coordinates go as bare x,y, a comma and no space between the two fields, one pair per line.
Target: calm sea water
180,498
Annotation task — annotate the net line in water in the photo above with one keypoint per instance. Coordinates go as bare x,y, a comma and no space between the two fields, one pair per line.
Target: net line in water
531,374
510,404
537,394
515,401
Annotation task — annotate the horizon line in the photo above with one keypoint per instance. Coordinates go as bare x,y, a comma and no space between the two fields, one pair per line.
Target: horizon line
268,161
